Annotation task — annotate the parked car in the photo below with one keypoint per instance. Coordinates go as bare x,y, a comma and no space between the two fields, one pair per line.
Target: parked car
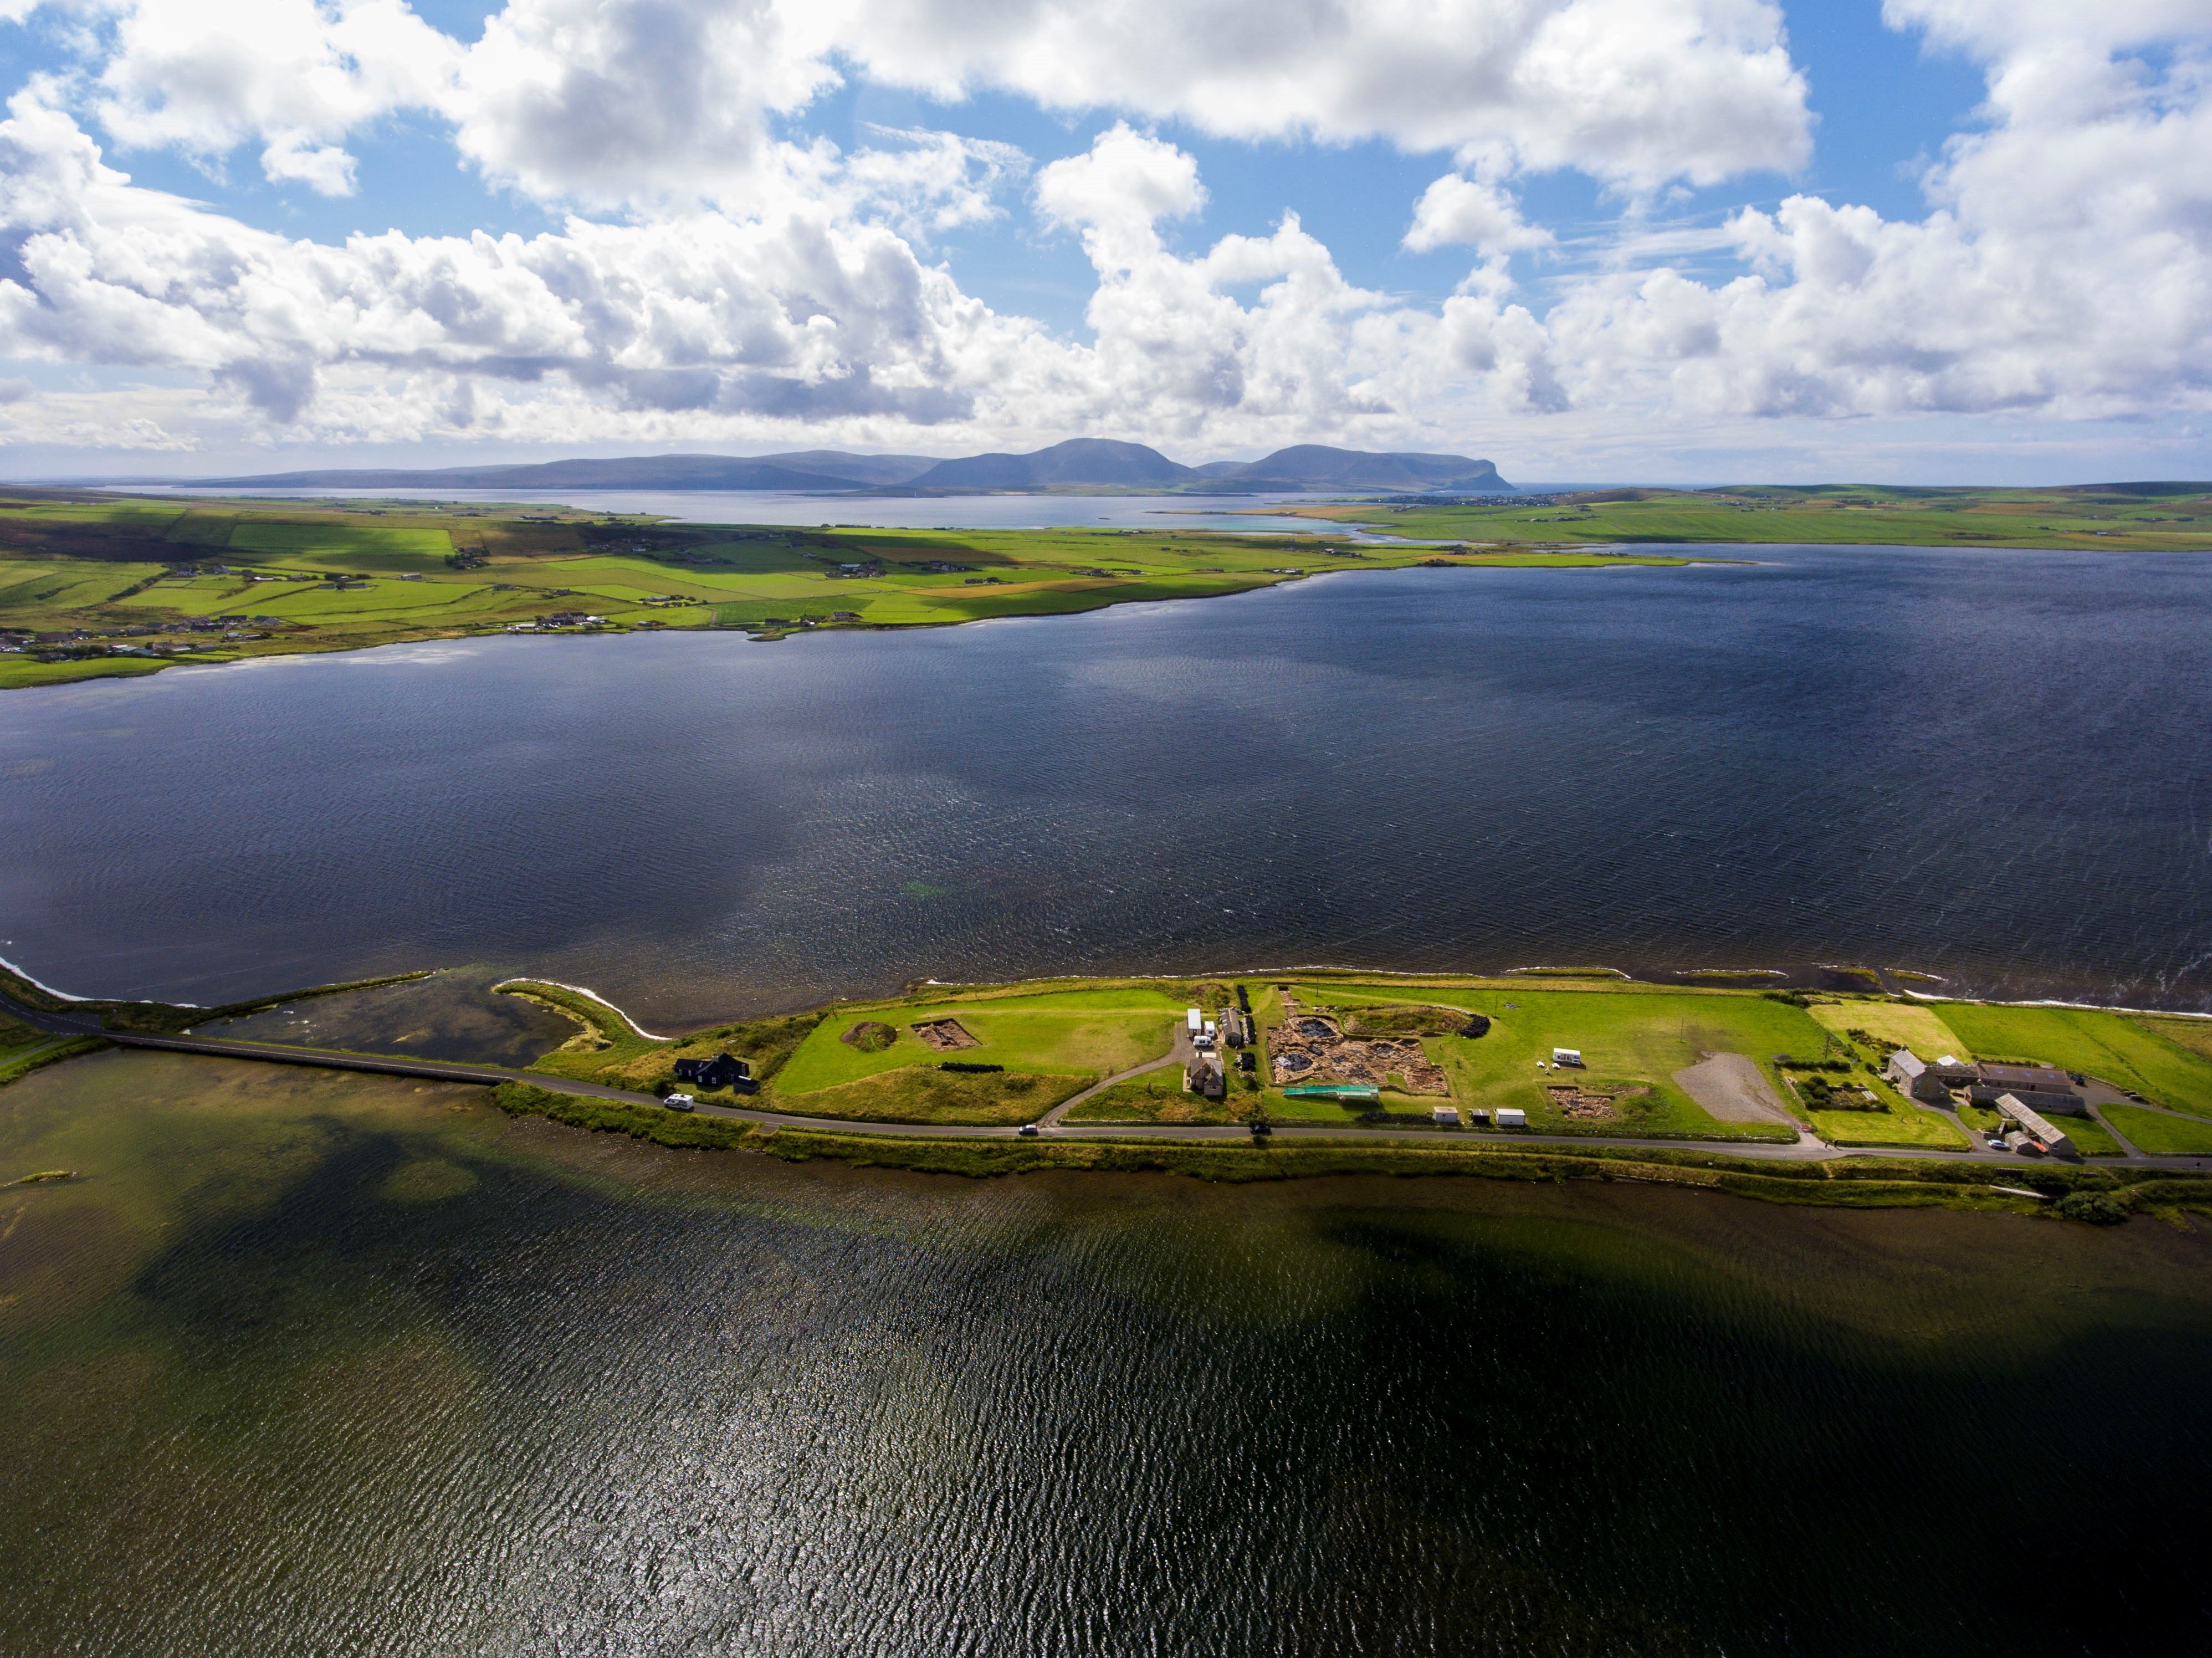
1029,1131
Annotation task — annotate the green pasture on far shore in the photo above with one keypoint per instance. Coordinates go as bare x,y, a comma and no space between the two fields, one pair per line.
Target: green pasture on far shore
2132,516
245,577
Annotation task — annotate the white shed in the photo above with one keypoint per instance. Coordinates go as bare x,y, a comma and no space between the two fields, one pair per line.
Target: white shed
1445,1114
1512,1117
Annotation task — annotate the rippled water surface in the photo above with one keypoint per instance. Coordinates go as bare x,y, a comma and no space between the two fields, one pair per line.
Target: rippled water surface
1995,765
303,1363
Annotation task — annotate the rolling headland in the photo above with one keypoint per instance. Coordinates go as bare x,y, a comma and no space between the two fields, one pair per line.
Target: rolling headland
99,585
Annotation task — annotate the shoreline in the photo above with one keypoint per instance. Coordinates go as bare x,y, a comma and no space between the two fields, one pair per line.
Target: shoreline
78,671
800,1105
232,580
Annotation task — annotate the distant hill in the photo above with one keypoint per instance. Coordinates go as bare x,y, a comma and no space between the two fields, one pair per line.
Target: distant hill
1079,461
1314,466
875,469
643,472
1093,463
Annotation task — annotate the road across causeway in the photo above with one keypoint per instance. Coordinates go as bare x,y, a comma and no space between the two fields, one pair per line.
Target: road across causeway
397,1065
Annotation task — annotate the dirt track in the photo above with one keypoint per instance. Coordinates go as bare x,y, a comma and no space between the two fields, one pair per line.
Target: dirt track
1731,1087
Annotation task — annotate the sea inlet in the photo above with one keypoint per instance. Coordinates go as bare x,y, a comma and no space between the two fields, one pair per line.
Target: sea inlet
298,1362
302,1362
1991,765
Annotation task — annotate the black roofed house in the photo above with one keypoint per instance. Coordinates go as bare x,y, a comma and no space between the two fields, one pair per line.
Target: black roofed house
723,1070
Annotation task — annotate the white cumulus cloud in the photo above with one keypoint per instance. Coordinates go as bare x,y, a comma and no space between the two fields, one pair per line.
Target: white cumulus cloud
2067,267
724,274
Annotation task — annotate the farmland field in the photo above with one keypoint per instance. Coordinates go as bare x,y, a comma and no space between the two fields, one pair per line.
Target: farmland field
99,585
2113,1047
2148,517
1081,1032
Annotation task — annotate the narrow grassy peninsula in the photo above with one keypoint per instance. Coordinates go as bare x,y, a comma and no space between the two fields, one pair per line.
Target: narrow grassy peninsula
1793,1096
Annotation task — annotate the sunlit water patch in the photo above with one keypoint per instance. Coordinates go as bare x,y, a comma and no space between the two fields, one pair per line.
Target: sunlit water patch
310,1363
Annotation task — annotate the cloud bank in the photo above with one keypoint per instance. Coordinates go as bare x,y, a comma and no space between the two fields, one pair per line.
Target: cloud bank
719,275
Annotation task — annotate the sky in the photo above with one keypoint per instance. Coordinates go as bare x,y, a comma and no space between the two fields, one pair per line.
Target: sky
1670,241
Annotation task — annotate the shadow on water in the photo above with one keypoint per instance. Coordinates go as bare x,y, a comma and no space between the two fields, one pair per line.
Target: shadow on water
379,1362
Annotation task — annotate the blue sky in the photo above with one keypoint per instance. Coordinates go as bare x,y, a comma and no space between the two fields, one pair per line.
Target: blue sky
1688,240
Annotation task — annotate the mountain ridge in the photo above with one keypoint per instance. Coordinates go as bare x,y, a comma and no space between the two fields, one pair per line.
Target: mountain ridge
1079,463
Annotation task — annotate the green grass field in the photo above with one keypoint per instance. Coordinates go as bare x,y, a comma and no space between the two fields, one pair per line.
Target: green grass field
2159,1133
1900,1122
2118,1049
1159,1096
2090,1137
2144,518
138,573
1085,1034
923,1094
1897,1024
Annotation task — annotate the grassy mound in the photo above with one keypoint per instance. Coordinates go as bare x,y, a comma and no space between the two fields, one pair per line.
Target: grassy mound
870,1036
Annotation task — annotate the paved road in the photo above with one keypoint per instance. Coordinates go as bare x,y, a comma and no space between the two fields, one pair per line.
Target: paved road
448,1071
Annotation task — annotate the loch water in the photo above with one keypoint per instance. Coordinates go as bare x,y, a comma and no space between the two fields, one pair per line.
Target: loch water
301,1362
1991,765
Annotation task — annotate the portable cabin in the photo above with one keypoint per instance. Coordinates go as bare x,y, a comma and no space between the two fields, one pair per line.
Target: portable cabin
1567,1056
1195,1020
1512,1117
1448,1114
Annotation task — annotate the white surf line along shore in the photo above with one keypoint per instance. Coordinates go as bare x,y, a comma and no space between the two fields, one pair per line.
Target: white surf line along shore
140,1001
584,990
2080,1007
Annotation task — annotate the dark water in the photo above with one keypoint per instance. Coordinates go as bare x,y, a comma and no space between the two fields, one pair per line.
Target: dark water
1995,765
306,1363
